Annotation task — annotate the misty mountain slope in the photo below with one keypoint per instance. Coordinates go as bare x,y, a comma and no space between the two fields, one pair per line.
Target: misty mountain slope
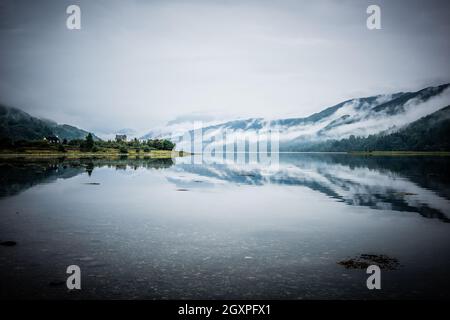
430,133
396,105
366,116
359,117
16,124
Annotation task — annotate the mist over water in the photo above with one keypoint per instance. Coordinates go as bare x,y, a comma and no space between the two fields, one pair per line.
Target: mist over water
169,228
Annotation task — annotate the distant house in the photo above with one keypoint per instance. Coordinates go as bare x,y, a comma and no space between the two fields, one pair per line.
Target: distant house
121,137
52,139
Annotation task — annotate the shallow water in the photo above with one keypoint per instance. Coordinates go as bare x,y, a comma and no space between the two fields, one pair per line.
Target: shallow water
170,229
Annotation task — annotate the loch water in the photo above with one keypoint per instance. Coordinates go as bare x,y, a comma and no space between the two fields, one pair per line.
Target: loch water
173,229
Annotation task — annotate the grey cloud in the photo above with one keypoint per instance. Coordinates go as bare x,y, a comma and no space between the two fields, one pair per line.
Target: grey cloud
139,64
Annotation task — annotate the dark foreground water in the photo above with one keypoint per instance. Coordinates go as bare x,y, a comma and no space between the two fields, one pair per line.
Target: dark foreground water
168,229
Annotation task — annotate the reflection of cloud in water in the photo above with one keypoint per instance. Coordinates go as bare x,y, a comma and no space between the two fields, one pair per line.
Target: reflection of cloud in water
361,185
415,184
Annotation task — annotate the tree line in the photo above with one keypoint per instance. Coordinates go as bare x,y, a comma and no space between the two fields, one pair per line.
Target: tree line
89,145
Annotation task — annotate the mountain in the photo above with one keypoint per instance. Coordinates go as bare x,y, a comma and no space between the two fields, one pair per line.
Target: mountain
16,124
359,117
430,133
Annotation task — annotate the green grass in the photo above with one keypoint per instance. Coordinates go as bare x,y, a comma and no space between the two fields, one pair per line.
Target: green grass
75,153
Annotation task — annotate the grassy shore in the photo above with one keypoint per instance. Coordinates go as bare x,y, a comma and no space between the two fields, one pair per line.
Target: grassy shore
109,153
401,153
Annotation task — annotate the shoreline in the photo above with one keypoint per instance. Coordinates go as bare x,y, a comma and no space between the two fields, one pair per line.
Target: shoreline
165,154
401,153
154,154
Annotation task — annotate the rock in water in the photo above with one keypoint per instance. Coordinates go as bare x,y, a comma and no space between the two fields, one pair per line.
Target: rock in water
365,260
8,243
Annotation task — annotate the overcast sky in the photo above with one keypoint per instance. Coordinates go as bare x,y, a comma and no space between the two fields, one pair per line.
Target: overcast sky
139,64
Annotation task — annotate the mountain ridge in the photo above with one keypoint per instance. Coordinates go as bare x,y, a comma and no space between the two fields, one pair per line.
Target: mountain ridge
359,117
16,124
428,133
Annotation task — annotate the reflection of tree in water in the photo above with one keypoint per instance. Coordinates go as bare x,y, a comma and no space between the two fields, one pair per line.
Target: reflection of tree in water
339,176
19,174
16,175
89,168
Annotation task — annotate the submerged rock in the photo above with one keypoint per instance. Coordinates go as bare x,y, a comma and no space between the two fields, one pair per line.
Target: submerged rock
8,243
56,283
366,260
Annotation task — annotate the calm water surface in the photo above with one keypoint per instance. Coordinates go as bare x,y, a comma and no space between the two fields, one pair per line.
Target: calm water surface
168,229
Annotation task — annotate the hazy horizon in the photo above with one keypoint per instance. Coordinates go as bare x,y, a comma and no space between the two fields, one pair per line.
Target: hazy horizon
140,64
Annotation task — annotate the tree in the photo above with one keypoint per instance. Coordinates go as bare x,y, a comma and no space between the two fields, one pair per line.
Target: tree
123,149
89,141
168,145
87,144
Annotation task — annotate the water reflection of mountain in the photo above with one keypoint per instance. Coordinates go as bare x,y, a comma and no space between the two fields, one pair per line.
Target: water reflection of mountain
415,184
19,174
